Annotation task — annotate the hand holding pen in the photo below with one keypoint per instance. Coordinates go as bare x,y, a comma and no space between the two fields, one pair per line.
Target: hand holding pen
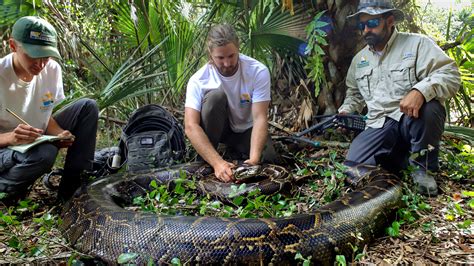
24,133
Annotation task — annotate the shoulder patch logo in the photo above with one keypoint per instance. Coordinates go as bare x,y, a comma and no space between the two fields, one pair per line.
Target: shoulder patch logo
363,63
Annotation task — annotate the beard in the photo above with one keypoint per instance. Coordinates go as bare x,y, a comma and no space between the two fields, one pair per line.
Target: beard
228,71
373,39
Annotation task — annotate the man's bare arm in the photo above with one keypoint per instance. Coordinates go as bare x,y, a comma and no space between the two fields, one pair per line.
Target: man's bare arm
201,143
259,131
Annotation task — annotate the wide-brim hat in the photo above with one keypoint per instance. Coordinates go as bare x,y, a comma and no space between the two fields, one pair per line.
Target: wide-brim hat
377,7
37,37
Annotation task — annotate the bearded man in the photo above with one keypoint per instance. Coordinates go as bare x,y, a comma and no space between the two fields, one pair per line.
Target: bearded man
404,79
227,102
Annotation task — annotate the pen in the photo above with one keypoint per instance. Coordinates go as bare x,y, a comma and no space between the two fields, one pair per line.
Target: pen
17,117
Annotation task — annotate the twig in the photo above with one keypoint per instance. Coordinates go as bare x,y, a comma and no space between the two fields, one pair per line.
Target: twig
285,129
115,120
450,45
36,259
401,255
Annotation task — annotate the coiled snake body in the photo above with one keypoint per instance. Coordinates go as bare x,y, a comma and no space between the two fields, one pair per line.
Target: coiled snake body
96,225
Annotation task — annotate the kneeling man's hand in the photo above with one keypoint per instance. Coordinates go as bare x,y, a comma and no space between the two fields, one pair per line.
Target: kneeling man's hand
411,103
223,171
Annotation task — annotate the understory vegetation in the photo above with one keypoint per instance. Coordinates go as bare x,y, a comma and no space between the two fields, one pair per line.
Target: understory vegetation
126,54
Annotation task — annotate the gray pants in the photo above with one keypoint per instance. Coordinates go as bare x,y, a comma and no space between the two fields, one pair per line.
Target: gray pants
391,145
19,170
215,122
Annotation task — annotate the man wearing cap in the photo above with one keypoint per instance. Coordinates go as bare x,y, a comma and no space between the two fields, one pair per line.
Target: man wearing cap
404,80
30,86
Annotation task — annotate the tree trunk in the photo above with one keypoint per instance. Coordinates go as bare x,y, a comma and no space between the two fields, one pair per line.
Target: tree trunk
344,42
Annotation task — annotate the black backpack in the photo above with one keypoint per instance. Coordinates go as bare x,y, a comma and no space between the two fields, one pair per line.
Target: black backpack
152,138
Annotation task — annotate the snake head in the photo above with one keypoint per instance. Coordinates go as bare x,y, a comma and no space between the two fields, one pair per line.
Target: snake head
244,172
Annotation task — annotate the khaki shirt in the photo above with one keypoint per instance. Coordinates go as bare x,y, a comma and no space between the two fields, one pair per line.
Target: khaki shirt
408,61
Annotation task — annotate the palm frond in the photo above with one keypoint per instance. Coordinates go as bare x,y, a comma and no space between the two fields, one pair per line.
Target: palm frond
135,77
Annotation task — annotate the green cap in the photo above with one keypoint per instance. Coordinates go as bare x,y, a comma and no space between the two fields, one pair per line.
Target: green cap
37,36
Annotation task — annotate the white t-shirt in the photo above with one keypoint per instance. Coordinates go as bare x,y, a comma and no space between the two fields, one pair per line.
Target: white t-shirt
250,84
33,101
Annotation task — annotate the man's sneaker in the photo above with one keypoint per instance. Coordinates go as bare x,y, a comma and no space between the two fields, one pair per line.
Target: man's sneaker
425,182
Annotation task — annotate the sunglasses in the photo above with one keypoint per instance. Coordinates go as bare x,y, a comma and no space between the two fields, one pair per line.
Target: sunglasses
371,23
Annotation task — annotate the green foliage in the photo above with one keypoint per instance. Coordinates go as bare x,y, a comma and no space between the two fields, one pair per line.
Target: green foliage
156,21
458,160
410,213
316,39
176,262
184,199
306,261
132,78
126,258
26,241
456,212
341,260
463,54
10,10
357,254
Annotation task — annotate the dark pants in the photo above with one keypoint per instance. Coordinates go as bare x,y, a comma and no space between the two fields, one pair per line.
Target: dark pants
19,170
392,145
215,122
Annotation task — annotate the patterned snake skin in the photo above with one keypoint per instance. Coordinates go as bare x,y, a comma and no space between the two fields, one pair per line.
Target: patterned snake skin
95,224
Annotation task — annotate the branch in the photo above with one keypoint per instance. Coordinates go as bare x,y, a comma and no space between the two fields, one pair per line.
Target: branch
448,46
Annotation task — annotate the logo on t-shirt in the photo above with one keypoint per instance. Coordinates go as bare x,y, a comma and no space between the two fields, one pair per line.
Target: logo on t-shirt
244,98
47,100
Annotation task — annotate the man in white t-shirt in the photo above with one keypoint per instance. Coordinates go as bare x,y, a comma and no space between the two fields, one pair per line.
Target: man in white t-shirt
30,86
227,102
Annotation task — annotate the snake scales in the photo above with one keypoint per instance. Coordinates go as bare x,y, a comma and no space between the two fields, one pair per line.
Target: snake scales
96,225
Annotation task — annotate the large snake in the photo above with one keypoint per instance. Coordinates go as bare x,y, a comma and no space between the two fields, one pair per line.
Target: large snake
95,224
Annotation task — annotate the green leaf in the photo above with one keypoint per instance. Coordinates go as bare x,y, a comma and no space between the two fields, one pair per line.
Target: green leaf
321,24
466,224
238,200
359,256
216,204
341,260
176,262
468,193
150,262
423,206
298,256
179,189
471,203
394,230
126,258
13,242
36,251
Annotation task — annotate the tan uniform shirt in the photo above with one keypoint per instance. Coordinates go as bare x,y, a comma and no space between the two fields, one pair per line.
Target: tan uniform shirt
408,61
